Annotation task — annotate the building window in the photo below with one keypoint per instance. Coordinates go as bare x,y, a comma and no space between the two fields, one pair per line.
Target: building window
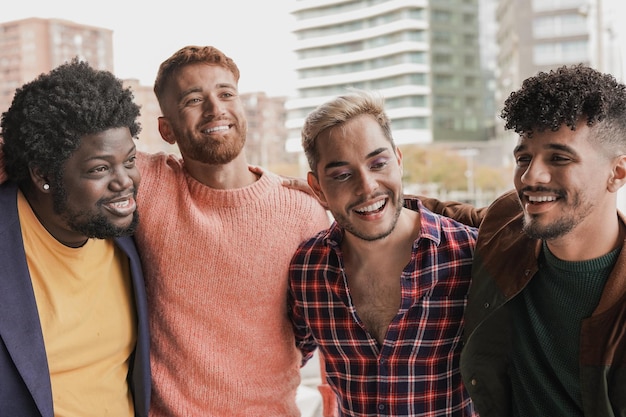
410,123
445,80
406,101
562,25
544,5
470,81
442,37
446,102
469,19
442,59
557,53
471,124
469,61
441,16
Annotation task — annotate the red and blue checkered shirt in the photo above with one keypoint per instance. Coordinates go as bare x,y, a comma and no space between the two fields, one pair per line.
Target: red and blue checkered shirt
415,372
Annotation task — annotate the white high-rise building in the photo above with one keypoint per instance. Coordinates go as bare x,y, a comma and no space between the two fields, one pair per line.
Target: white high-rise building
422,55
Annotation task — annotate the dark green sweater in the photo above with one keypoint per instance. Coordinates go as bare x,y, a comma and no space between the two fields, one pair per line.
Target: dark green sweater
547,318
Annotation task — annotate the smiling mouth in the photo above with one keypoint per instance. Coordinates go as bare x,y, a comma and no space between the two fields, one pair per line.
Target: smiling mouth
121,204
122,208
373,208
541,199
223,128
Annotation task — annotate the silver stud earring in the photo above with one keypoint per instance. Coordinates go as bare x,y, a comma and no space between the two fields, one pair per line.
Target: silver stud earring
46,187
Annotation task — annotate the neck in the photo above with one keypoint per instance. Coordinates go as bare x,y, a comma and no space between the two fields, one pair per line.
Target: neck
398,242
234,174
584,244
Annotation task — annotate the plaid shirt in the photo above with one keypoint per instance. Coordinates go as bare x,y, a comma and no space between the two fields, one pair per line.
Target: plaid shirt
416,370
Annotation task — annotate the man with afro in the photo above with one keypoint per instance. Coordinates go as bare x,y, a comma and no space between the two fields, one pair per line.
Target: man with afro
73,318
546,317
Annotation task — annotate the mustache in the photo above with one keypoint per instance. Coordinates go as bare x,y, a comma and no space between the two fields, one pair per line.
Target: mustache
369,197
118,196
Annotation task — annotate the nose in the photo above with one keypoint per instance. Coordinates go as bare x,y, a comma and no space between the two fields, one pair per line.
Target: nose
367,183
536,173
124,178
212,107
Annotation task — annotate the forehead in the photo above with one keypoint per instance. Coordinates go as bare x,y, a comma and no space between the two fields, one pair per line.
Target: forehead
109,144
564,138
200,75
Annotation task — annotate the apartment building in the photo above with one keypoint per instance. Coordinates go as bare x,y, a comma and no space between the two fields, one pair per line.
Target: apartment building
422,55
29,47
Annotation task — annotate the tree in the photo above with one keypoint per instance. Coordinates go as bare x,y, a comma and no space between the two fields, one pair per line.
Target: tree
446,168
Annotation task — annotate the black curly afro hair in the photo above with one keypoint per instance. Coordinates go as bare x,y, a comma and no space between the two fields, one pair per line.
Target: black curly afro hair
565,96
49,117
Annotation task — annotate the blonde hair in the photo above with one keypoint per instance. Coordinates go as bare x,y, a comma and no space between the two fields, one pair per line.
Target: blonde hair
338,111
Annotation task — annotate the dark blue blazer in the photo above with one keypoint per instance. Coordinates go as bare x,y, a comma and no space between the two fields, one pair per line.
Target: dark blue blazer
24,377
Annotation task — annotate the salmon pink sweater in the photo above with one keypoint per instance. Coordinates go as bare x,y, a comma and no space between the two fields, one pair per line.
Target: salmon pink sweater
215,265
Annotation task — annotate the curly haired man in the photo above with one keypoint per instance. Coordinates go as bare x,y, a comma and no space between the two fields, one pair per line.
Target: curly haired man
546,317
73,309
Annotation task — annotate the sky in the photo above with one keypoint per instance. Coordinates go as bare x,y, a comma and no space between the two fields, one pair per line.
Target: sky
256,34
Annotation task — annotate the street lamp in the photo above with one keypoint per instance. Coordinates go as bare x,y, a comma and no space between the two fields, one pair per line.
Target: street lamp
469,154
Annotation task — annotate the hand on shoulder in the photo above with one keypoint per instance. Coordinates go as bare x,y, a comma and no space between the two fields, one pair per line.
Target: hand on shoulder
293,183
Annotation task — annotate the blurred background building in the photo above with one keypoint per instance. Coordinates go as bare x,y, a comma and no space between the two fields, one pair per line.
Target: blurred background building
444,67
423,56
430,59
31,46
539,35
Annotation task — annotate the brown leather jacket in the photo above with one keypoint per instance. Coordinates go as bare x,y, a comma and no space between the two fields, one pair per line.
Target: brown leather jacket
505,261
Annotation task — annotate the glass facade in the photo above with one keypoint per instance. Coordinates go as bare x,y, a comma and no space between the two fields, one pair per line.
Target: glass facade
413,52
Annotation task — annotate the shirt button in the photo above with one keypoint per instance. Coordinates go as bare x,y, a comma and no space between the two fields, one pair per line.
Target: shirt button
486,305
474,382
381,407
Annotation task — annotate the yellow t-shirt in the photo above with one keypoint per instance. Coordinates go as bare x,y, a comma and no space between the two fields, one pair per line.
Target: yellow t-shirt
87,315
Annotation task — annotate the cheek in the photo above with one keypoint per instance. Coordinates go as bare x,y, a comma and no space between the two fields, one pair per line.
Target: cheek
398,176
85,196
334,192
135,175
186,118
517,174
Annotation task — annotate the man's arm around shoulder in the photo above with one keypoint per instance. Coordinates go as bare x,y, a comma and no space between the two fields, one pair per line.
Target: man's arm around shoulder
461,212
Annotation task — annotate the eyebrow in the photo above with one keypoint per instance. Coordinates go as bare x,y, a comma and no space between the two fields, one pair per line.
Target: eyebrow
553,146
335,164
191,90
107,156
199,89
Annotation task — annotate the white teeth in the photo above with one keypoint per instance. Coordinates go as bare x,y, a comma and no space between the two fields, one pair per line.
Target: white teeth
216,129
121,204
372,207
541,199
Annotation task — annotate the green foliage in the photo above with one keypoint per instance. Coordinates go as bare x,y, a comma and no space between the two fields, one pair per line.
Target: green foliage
447,169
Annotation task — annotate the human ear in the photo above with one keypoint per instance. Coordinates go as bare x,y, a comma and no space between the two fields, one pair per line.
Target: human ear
311,178
165,129
618,174
39,179
399,159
